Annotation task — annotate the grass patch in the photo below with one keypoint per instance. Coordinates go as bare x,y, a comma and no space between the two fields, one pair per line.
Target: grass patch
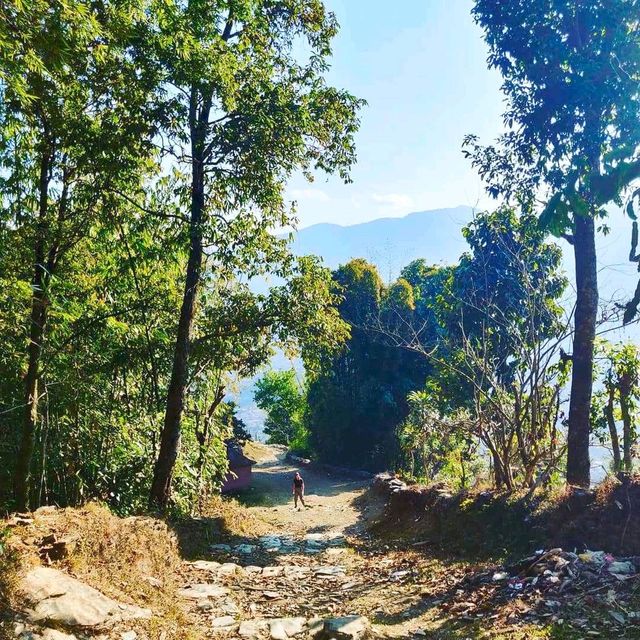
9,568
472,526
115,556
255,497
223,519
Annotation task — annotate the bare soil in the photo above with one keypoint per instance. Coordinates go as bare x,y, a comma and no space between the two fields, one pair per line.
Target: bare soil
331,505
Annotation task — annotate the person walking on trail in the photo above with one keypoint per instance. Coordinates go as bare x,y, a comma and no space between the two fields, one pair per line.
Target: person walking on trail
298,490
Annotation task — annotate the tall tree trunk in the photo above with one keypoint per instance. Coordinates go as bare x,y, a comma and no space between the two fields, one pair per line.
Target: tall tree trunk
38,319
624,387
170,437
613,431
584,244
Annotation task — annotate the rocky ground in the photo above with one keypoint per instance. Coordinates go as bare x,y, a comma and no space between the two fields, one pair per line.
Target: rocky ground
318,573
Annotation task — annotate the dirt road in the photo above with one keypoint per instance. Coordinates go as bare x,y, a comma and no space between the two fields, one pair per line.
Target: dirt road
329,498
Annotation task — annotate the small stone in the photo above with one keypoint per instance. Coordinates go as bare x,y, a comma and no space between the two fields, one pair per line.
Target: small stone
314,537
295,572
330,571
224,548
347,628
396,575
19,521
206,565
222,622
312,544
253,570
229,569
271,543
129,635
230,608
335,551
205,590
284,628
252,629
154,582
272,572
47,509
337,541
244,549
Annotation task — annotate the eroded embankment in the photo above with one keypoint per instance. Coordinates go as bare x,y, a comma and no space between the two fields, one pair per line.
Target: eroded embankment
497,524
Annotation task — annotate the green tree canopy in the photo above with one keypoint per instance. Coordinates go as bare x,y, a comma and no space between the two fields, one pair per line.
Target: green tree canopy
282,397
571,75
252,109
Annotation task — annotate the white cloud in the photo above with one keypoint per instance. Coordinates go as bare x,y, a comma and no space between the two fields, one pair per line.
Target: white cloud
395,202
310,194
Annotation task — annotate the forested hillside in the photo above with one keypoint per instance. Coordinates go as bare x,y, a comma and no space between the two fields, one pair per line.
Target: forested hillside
145,150
389,243
428,470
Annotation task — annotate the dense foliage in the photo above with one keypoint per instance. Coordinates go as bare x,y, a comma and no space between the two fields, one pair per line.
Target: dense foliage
281,395
145,147
450,363
615,407
497,367
358,396
571,79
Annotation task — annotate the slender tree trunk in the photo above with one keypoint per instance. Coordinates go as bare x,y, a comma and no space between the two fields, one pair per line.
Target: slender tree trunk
170,437
498,472
624,387
584,244
613,431
38,319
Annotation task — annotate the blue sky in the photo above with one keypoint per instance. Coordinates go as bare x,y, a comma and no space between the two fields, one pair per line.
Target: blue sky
421,66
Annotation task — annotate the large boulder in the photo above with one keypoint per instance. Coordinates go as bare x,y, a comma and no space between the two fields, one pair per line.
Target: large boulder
54,596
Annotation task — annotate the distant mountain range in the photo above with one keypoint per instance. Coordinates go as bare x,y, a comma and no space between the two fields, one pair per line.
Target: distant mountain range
389,243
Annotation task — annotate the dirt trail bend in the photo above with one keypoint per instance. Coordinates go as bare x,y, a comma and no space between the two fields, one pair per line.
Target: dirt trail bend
329,497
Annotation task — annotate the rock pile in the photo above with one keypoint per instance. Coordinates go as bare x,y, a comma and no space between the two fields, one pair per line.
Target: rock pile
312,543
346,628
557,570
550,585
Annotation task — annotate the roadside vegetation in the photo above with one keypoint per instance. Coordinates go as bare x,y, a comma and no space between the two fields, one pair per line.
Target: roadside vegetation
146,147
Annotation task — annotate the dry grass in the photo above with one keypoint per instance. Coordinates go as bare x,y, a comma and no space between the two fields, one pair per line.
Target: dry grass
9,570
222,520
235,519
260,452
116,556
